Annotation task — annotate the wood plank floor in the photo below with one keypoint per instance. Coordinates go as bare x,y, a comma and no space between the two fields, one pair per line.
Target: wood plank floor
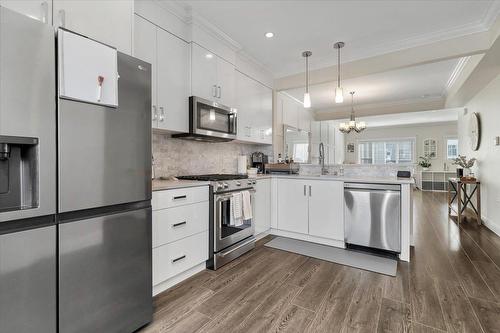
451,285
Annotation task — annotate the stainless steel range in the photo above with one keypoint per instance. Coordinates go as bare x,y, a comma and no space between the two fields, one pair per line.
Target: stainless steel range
228,239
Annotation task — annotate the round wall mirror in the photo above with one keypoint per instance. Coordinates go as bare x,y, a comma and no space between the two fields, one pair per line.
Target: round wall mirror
475,131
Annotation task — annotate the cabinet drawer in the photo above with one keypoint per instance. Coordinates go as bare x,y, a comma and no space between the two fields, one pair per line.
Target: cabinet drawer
179,197
175,223
174,258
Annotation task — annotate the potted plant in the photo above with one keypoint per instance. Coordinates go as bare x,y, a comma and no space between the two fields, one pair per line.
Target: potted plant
425,162
466,164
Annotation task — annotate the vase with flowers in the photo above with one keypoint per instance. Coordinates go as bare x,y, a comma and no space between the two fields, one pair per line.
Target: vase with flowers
424,162
465,164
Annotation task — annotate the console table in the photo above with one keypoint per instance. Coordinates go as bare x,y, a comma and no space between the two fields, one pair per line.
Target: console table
457,189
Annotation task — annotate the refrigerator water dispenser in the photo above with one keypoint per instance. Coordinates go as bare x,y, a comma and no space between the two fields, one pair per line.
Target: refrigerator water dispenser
18,173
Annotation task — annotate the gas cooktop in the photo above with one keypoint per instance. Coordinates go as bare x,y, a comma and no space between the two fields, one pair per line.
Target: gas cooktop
213,177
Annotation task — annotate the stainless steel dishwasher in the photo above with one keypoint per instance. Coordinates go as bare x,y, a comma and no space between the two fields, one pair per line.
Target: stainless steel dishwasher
373,216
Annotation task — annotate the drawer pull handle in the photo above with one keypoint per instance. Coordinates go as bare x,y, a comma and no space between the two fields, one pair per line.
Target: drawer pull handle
177,259
180,197
179,224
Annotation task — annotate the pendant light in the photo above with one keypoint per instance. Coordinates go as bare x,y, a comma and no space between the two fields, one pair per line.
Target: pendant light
307,96
352,125
339,92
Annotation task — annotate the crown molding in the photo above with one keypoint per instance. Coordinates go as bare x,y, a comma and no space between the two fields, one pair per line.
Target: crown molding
175,8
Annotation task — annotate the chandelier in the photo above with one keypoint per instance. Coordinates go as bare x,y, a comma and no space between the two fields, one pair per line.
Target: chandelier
352,125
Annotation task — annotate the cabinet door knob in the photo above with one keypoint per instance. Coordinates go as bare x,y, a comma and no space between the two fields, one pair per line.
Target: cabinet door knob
219,89
310,190
214,90
155,113
305,190
162,113
45,12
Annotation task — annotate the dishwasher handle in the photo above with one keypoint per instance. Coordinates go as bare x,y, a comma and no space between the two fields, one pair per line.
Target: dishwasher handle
372,187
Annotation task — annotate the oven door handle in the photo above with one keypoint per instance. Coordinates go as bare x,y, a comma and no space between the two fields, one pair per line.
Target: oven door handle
225,197
251,240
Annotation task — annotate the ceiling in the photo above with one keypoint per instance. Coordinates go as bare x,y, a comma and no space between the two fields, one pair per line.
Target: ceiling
412,118
368,27
415,83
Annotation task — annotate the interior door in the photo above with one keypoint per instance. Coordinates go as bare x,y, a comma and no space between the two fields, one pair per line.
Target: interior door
173,82
145,48
105,153
105,275
293,205
326,209
203,73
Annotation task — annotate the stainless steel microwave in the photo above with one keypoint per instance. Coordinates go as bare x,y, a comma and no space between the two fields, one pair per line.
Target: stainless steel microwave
210,121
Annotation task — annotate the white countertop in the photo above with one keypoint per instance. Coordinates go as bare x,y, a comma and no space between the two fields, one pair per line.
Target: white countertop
164,184
353,179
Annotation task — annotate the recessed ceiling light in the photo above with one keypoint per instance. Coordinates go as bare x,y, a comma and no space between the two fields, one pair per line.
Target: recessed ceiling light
269,35
209,56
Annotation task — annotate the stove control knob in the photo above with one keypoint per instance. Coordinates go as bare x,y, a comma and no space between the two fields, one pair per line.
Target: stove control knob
249,182
226,185
254,182
238,184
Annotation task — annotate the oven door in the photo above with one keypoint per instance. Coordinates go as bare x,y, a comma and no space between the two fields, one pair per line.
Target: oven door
227,232
212,119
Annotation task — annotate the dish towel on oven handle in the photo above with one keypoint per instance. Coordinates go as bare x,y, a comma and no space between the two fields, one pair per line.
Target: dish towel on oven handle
236,209
247,205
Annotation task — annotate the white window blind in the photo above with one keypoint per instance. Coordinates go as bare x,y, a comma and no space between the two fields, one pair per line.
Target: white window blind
388,151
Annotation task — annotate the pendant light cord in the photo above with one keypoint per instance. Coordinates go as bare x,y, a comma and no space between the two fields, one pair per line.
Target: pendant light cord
307,74
338,70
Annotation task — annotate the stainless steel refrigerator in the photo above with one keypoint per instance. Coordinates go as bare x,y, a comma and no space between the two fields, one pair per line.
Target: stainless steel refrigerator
104,207
27,175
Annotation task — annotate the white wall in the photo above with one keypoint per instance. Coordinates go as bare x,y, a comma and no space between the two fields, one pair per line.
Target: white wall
420,132
487,104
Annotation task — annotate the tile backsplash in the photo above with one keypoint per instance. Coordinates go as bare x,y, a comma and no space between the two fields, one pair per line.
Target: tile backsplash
175,157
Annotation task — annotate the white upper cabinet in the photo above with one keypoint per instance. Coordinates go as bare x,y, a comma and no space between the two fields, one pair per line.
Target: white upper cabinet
212,77
173,82
145,49
109,22
36,9
326,209
203,73
169,57
255,110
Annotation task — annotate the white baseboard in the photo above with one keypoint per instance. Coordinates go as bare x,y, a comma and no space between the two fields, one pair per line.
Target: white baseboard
491,225
162,286
261,235
308,238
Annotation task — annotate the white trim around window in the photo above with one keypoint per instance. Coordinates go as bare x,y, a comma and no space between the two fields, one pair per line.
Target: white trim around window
370,154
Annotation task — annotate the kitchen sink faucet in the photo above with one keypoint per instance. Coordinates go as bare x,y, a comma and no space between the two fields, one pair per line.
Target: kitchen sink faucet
324,171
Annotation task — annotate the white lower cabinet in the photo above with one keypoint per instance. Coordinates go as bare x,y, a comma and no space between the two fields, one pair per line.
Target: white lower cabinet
311,207
326,209
180,234
293,205
262,206
176,257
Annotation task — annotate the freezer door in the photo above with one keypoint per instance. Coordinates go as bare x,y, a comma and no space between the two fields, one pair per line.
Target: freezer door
28,104
372,218
105,153
28,281
105,275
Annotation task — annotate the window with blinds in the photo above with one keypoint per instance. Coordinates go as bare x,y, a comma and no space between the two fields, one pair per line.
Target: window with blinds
388,151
